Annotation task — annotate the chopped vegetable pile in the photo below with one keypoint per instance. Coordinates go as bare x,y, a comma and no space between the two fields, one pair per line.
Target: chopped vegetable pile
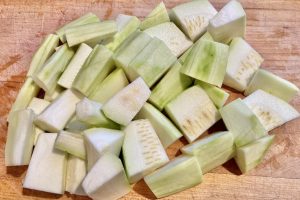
119,93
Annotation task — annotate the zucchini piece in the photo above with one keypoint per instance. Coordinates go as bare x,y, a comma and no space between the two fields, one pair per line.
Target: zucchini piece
47,168
74,125
99,141
142,151
98,65
53,68
272,84
110,86
181,173
91,33
271,111
76,171
249,156
165,130
67,78
242,123
85,19
45,50
20,138
171,85
207,62
51,97
38,131
152,62
37,105
243,62
124,105
157,16
212,151
71,143
217,95
193,112
55,117
171,36
230,22
107,179
193,17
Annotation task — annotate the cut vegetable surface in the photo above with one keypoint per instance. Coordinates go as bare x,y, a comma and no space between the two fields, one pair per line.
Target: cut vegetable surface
142,150
74,125
38,105
51,97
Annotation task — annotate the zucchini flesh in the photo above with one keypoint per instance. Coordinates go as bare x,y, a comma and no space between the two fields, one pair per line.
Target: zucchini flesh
74,125
272,84
157,16
142,150
47,168
181,173
193,112
20,138
107,179
171,85
242,123
51,97
124,105
37,105
270,110
38,131
193,17
165,130
67,78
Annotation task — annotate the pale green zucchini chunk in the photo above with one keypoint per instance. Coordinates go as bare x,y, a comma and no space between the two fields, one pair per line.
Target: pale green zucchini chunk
193,17
271,111
242,123
179,174
193,112
51,97
207,62
38,131
272,84
142,150
47,168
38,105
230,22
249,156
74,125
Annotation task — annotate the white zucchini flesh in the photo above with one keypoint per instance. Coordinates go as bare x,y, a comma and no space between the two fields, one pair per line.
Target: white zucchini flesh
271,111
47,168
107,179
38,105
51,97
38,131
142,150
124,105
74,125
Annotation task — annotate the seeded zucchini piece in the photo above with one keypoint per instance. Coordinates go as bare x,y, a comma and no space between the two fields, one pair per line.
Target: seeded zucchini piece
124,105
243,62
207,62
97,66
193,17
152,62
53,68
217,95
230,22
71,143
171,85
111,85
157,16
47,168
165,130
20,138
249,156
272,84
179,174
55,117
99,141
42,54
85,19
67,78
142,150
38,105
171,36
74,125
90,33
242,123
193,112
212,151
270,110
107,179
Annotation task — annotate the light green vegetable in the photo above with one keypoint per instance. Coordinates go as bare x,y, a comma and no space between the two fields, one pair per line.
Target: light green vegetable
74,125
38,105
38,131
51,97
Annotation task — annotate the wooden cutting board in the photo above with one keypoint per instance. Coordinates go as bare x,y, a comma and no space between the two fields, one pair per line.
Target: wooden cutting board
273,30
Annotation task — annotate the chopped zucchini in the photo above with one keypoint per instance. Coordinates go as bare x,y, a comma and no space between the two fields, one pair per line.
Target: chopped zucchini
37,105
38,131
51,97
74,125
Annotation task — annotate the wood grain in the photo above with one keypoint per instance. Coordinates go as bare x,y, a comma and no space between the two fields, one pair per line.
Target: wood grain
273,30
